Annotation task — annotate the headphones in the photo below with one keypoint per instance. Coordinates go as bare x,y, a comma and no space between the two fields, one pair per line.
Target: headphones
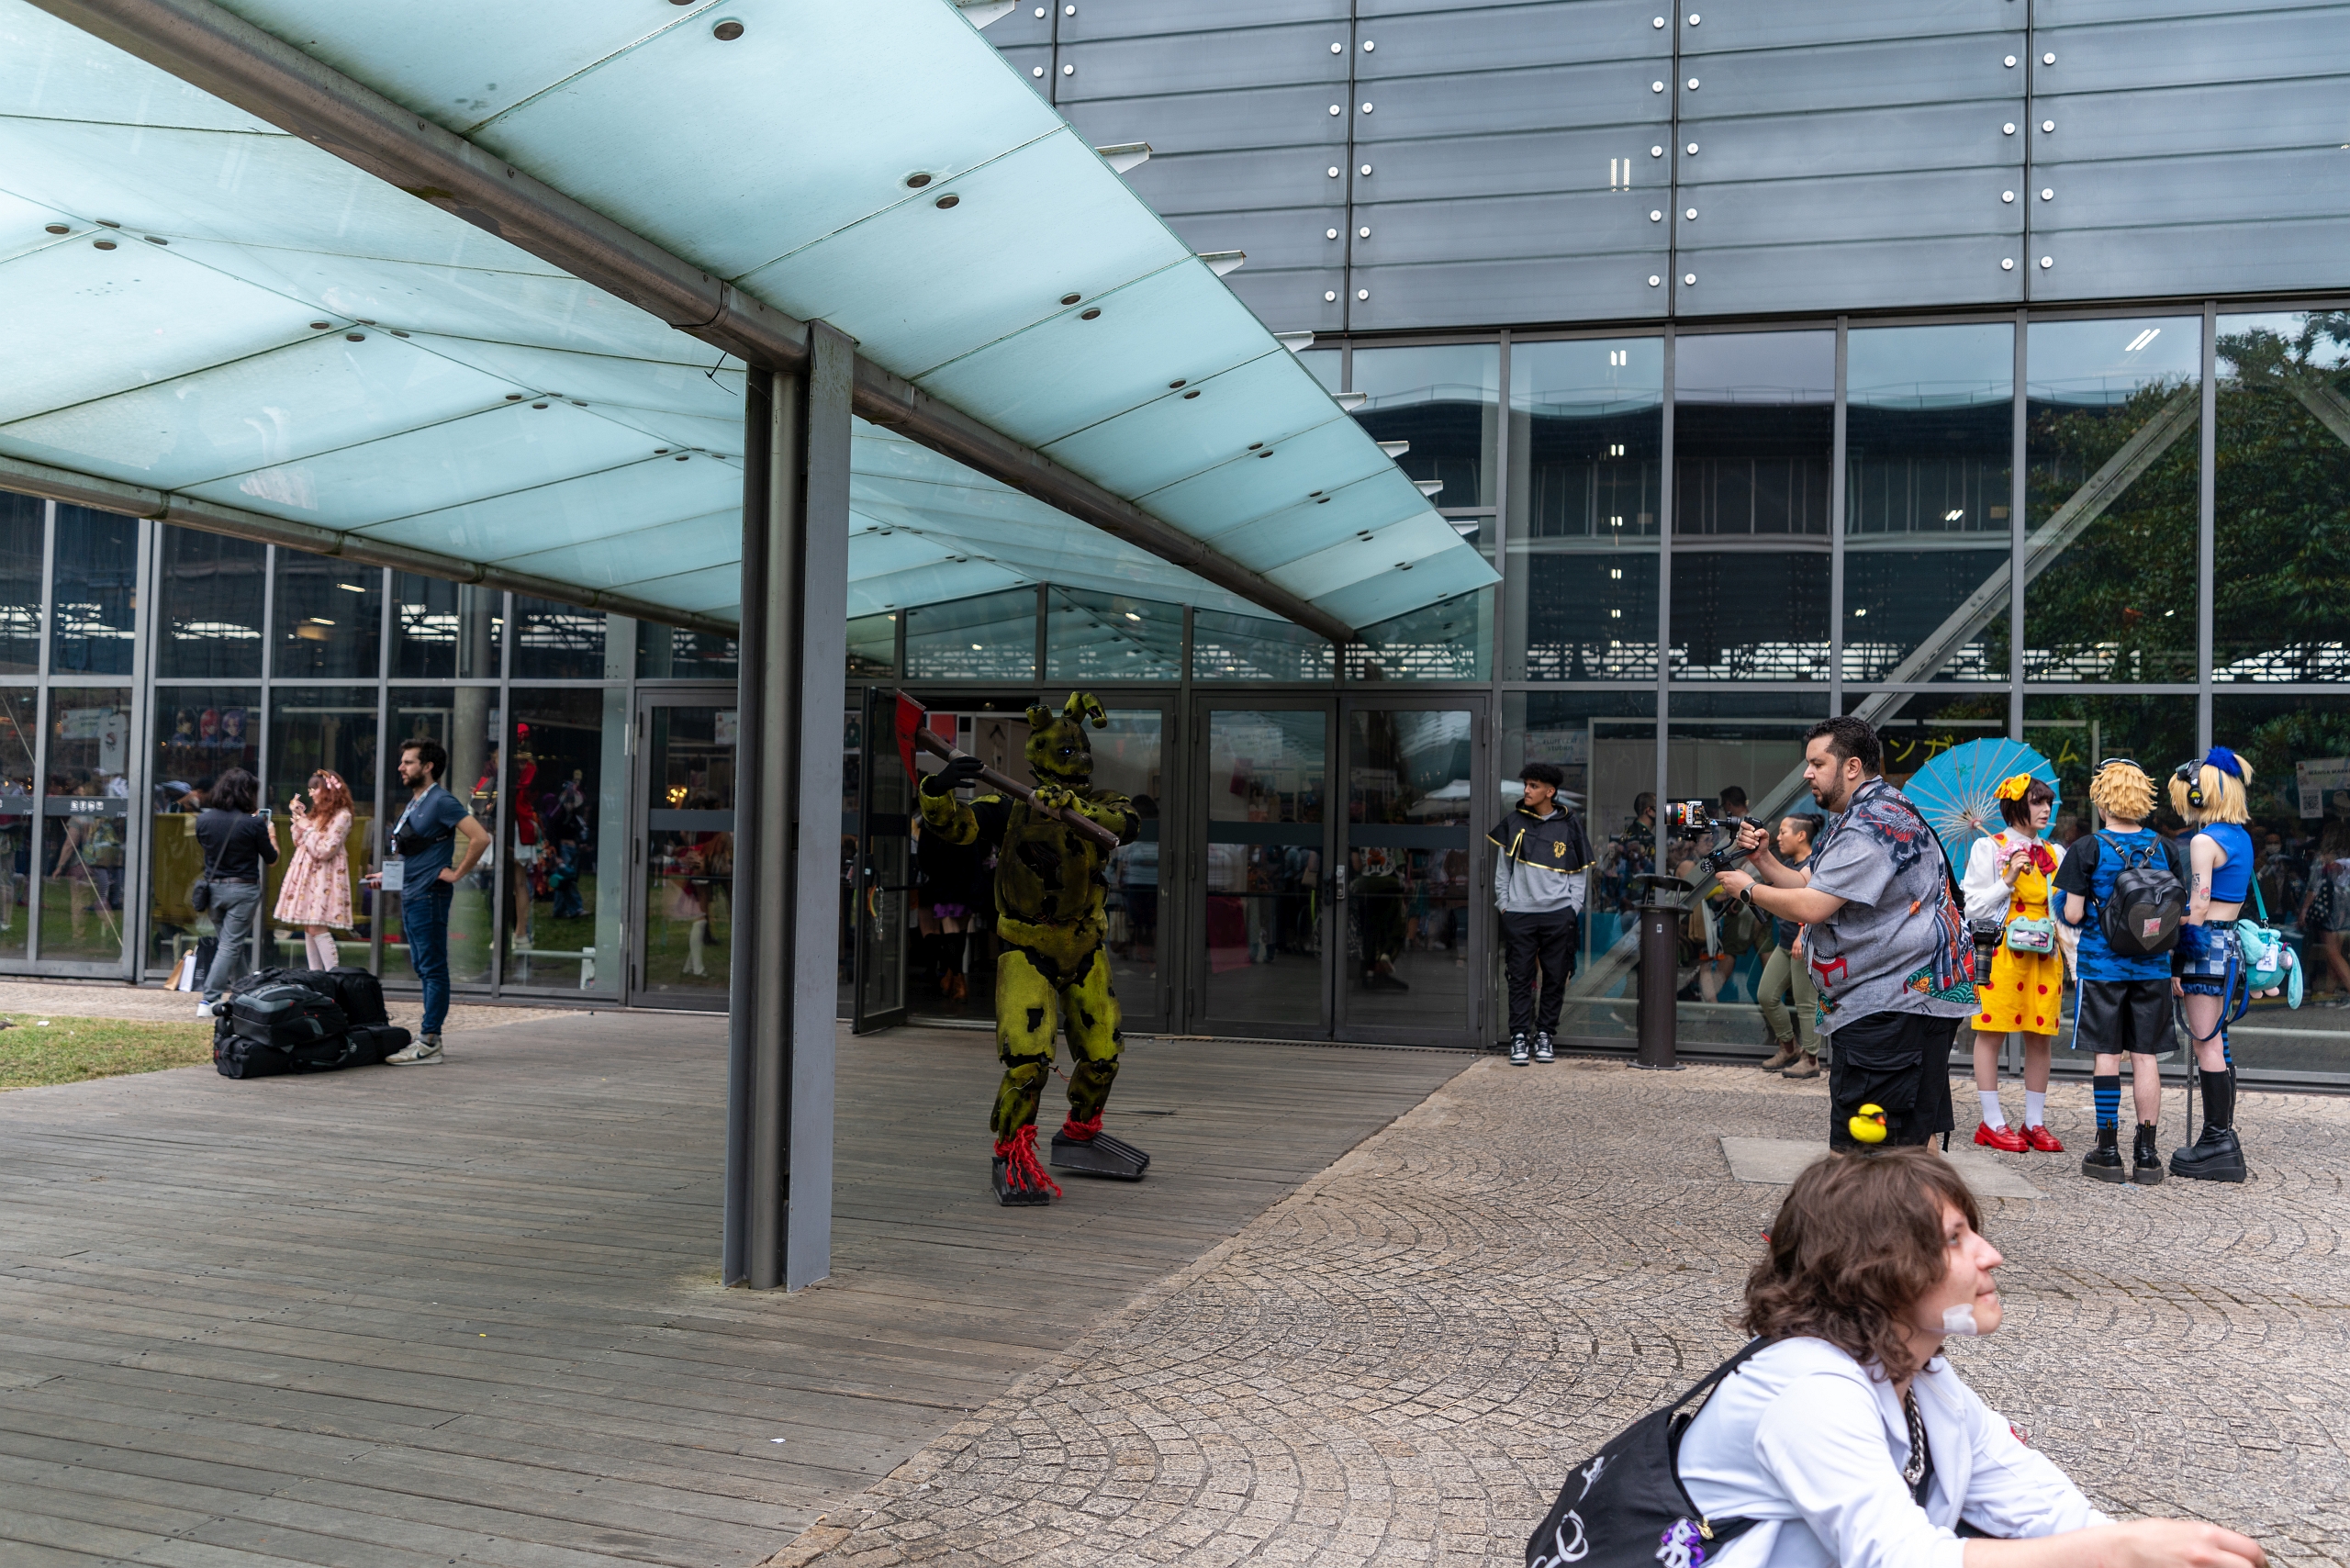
2191,775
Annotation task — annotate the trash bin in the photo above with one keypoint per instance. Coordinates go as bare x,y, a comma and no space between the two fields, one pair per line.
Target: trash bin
1662,903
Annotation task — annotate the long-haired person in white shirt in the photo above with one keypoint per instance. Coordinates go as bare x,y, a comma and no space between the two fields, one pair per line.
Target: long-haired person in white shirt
1852,1442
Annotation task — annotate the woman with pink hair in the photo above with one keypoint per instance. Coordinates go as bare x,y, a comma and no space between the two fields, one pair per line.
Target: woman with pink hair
316,893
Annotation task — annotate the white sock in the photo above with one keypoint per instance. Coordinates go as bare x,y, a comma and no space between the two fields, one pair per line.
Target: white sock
1993,1117
2036,1106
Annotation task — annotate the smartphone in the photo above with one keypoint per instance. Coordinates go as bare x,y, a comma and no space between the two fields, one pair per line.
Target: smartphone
265,812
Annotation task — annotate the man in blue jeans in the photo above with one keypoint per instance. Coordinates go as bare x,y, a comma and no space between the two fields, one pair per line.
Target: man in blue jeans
423,843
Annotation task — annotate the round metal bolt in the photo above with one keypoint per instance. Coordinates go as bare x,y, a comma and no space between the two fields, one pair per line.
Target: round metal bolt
2008,129
1691,214
1090,314
1657,22
1338,48
398,333
1330,234
1689,277
1693,83
354,337
157,240
2011,62
1333,170
1329,296
660,451
1656,87
1693,150
1068,70
2048,125
2048,60
1264,455
1654,280
916,182
2047,262
1069,10
2006,196
727,32
1068,299
102,244
679,458
1366,108
1037,71
1367,46
319,326
949,200
1176,383
517,396
1362,294
1366,169
1363,233
2046,194
55,228
1656,215
2007,263
538,405
1695,18
1191,394
1336,110
1040,11
1656,152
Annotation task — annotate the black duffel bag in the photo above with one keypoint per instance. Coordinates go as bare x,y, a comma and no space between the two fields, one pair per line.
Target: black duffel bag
1625,1508
236,1055
285,1013
361,994
371,1043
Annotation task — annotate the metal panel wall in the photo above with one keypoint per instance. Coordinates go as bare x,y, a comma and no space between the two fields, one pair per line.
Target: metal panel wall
1432,163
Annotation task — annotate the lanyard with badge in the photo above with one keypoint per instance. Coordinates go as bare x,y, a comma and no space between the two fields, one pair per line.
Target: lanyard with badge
393,877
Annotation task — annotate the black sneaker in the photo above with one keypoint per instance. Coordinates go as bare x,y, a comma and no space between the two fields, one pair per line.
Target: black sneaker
2217,1156
2103,1163
2146,1160
1517,1052
1542,1051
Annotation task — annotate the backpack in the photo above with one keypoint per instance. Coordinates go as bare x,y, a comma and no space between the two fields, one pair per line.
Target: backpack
1625,1507
236,1053
284,1015
2142,917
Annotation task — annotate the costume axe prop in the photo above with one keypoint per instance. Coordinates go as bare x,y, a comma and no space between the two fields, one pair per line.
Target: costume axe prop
914,733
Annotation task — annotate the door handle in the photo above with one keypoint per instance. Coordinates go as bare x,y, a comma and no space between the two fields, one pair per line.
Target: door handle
1339,884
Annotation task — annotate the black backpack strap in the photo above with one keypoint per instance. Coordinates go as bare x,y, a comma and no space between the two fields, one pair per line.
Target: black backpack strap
1705,1385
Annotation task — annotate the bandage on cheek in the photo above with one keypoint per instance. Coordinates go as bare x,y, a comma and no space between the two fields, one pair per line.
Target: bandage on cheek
1960,1321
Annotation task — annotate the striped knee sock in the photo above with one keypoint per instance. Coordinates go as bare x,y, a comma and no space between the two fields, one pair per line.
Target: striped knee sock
2108,1087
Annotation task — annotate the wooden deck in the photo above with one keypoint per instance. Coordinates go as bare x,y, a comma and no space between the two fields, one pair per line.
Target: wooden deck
473,1314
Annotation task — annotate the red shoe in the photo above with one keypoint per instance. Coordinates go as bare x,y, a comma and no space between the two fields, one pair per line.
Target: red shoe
2043,1140
2004,1139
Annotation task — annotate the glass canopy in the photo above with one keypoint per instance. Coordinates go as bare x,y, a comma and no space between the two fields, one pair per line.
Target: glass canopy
198,303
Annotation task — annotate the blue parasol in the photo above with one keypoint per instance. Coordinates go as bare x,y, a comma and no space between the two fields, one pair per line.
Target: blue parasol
1958,792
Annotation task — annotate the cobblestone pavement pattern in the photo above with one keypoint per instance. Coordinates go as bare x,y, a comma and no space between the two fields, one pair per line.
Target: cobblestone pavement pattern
1397,1363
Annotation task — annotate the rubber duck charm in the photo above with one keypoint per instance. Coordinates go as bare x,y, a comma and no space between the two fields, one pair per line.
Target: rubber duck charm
1868,1126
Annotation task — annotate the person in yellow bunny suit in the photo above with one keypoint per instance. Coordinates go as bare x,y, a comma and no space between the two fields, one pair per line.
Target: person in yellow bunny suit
1052,974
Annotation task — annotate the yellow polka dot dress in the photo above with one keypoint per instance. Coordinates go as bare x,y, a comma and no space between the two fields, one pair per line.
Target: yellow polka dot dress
2026,990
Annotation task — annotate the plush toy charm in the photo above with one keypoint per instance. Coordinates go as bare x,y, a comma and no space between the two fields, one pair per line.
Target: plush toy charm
1869,1126
1052,976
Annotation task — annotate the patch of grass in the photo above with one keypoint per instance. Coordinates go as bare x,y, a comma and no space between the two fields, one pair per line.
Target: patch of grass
72,1049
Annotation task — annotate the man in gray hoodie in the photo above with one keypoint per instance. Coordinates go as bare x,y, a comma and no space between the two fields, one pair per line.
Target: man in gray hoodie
1540,864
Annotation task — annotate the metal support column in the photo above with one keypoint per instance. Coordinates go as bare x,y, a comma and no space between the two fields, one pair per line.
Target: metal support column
787,804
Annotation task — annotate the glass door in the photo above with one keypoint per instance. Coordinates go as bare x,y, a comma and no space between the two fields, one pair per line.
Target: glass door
877,838
1262,919
684,885
1410,908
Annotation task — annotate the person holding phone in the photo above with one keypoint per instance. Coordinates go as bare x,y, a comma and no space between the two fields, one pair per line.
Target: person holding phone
237,841
315,892
424,869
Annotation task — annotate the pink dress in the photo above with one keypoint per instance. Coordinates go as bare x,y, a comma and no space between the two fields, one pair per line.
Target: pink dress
317,888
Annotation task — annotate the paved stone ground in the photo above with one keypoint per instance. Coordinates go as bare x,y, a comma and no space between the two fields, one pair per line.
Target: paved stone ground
1397,1363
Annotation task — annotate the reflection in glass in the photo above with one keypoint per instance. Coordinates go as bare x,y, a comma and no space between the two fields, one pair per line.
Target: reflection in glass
872,646
1326,364
1407,869
2075,733
2113,468
1266,779
22,537
1605,743
20,723
1755,614
1445,401
672,653
565,840
992,637
2280,604
332,729
1930,444
1248,647
464,719
443,629
2300,751
1445,641
200,732
558,642
330,619
85,819
1126,759
689,853
94,609
1106,637
212,592
1586,442
1753,431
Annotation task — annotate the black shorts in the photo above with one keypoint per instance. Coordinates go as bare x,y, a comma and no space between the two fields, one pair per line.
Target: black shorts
2123,1017
1898,1062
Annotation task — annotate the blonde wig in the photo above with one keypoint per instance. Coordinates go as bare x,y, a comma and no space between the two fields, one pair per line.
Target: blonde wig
2122,789
2226,799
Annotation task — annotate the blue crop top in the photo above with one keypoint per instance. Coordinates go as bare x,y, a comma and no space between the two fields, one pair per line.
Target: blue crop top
2231,883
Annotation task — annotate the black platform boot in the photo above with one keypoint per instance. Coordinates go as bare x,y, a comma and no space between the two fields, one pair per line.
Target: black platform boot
2146,1160
1084,1148
2103,1163
2217,1156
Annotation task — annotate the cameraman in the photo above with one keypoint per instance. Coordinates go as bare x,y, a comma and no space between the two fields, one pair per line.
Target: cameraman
1886,947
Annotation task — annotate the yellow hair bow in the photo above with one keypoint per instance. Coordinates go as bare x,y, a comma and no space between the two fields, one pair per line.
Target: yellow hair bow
2013,788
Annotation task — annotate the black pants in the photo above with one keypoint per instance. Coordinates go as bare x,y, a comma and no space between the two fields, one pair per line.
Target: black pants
1898,1062
1529,941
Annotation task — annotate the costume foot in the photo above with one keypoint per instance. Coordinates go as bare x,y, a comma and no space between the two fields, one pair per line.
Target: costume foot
2103,1163
1020,1181
2217,1156
1084,1149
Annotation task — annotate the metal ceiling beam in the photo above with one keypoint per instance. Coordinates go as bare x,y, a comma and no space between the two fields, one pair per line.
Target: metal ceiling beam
136,500
234,60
